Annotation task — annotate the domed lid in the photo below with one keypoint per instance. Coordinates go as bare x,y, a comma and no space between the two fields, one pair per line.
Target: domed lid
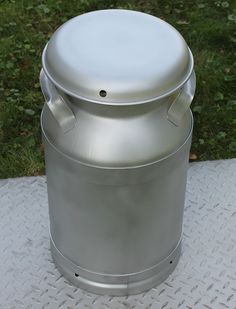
117,57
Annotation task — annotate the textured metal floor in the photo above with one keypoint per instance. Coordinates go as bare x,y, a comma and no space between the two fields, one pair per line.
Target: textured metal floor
204,278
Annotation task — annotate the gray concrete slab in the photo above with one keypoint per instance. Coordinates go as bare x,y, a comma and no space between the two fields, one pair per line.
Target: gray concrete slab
204,278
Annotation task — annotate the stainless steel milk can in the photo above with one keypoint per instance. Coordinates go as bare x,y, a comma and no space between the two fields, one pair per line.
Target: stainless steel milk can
117,129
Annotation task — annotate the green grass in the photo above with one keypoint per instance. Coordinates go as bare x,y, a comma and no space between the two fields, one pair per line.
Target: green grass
209,28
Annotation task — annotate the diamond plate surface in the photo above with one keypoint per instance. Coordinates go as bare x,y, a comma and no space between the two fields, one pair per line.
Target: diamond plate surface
204,278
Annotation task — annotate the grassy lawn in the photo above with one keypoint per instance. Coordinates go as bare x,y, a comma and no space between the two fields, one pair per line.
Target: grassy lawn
209,28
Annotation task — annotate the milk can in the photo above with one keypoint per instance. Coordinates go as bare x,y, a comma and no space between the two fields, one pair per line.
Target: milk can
117,129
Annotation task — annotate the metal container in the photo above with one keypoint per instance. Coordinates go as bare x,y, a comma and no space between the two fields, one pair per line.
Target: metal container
117,131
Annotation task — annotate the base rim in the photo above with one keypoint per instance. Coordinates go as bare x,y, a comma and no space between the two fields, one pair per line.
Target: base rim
116,285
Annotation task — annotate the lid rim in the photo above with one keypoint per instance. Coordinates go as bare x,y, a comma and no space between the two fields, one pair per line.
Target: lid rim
117,103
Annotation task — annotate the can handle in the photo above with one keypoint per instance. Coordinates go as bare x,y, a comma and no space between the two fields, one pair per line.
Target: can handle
57,105
182,102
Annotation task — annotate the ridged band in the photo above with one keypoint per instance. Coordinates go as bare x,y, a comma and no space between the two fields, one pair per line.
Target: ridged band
115,284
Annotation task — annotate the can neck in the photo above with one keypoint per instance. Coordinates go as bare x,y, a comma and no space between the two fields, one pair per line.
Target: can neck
116,110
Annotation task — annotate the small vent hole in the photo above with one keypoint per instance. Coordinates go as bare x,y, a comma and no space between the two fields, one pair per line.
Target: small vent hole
76,275
103,93
171,262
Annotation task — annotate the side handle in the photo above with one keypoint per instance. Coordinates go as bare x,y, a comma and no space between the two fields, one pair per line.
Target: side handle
57,105
182,103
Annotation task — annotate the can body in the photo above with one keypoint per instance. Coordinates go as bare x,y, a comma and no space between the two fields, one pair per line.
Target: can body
116,230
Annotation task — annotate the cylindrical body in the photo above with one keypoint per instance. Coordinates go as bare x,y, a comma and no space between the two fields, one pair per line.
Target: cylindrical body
116,170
